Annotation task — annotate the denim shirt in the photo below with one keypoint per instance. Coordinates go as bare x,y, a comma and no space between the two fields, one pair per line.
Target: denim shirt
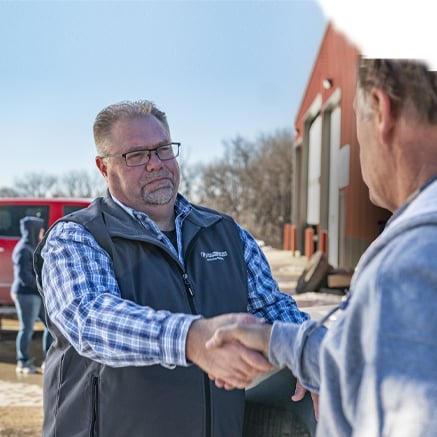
376,367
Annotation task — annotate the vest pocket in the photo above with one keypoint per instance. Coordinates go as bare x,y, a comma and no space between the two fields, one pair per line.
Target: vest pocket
94,432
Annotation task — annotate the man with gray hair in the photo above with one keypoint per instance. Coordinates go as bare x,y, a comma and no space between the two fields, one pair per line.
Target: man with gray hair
133,289
376,367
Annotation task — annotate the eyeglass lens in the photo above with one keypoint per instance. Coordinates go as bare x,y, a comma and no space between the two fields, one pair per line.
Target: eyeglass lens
142,157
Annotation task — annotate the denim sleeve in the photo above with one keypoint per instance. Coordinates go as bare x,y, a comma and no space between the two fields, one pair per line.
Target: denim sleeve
298,348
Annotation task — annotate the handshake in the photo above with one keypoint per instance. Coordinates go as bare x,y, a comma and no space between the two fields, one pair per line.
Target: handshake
231,348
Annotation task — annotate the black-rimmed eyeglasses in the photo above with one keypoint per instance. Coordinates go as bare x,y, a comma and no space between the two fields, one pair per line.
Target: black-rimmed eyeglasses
142,157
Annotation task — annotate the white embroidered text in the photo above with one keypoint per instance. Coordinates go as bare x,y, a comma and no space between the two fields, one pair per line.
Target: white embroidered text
214,256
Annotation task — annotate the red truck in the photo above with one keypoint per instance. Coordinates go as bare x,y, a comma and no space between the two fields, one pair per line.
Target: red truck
12,209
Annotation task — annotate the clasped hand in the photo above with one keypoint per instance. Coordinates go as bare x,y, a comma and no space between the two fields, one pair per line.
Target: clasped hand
226,360
253,335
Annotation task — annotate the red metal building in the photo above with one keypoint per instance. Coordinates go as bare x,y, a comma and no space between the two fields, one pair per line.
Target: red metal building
329,195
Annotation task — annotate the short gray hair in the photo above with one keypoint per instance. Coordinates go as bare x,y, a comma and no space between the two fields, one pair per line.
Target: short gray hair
125,110
405,81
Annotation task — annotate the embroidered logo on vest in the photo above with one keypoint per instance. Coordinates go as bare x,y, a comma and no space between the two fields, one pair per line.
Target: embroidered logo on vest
214,256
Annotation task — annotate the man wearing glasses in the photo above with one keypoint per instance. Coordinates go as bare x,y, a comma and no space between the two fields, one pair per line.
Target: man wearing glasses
135,284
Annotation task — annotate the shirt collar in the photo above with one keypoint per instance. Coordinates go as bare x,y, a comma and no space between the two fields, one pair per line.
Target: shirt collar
182,208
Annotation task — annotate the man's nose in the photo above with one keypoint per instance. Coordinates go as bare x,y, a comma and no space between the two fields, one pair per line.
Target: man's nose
154,161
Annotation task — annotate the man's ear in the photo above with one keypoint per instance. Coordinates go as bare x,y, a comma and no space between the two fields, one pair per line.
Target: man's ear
385,118
101,165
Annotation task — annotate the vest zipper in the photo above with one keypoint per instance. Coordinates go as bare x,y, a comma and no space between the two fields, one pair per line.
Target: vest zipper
95,406
206,381
190,293
208,406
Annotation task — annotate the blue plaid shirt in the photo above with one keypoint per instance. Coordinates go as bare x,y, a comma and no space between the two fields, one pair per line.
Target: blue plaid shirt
83,299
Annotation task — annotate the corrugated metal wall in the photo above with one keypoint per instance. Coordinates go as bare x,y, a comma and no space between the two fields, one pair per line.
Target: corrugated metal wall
358,220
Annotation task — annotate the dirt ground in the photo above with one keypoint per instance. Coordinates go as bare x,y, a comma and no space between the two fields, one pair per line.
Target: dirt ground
20,421
20,396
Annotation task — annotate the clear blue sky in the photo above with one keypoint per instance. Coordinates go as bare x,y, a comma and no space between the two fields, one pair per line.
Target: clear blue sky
218,69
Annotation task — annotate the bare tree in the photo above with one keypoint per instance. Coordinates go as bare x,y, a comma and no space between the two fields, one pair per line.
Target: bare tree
81,184
273,181
8,192
190,175
72,184
223,184
253,184
35,184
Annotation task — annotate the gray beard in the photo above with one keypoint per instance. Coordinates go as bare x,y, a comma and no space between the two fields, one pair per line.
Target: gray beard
162,196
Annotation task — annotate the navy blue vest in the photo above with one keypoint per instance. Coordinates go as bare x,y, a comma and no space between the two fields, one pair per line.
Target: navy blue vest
85,398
